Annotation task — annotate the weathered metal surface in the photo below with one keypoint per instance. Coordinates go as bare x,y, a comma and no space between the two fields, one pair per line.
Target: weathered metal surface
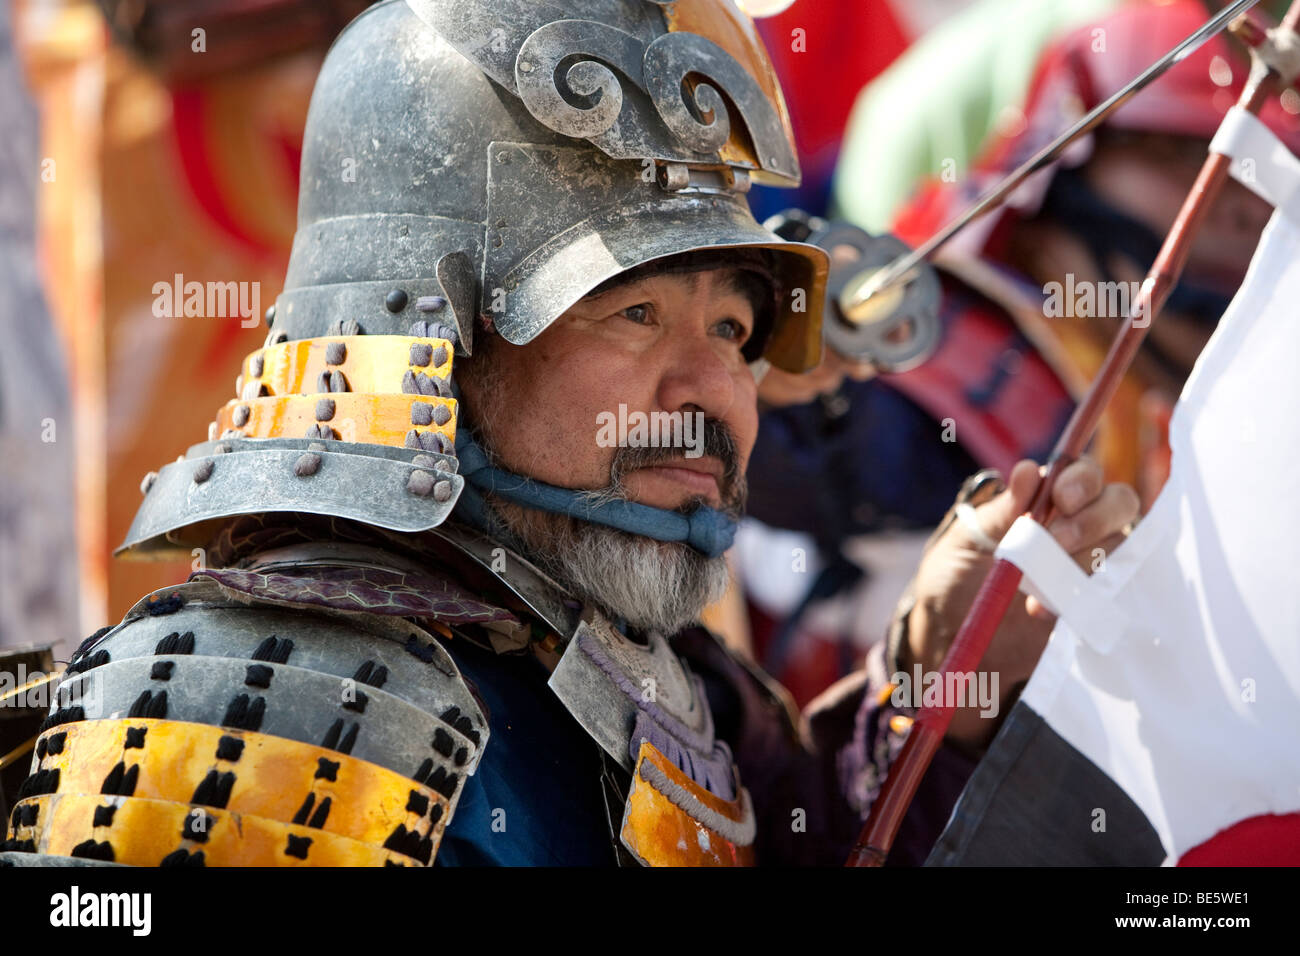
366,483
601,218
604,678
417,669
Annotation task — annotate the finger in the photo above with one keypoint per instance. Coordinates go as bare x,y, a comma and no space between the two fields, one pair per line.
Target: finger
998,515
1036,609
1115,507
1079,483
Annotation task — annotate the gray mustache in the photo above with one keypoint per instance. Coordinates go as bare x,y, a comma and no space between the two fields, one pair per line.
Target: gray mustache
717,442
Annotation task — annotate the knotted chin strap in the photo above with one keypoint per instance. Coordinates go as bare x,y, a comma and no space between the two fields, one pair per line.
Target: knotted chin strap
706,529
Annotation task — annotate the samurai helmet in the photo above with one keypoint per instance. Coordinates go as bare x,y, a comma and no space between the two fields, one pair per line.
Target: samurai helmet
500,158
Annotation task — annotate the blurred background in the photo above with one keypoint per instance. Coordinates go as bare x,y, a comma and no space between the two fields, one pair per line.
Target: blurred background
149,138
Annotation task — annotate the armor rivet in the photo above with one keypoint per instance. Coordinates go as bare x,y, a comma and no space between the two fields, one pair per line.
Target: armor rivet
270,316
421,352
525,66
420,483
396,300
257,365
324,409
421,413
307,465
439,356
442,491
203,471
501,223
441,414
147,482
503,157
335,353
430,303
240,416
497,242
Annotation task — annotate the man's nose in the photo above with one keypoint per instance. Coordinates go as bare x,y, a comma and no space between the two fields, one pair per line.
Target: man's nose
696,377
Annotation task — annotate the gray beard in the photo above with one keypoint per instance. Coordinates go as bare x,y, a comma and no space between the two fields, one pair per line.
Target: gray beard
651,585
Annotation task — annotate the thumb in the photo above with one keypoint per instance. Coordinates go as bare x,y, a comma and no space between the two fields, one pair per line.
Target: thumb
997,516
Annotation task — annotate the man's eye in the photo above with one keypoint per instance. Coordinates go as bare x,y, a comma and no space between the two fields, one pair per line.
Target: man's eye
639,314
734,330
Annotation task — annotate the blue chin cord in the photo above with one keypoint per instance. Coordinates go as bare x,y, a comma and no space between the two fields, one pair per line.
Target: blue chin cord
707,530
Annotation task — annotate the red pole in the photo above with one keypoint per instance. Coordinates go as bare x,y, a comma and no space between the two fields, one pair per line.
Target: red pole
1003,581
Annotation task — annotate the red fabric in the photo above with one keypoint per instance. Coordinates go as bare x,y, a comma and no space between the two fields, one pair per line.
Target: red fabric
858,37
1268,840
1026,407
814,662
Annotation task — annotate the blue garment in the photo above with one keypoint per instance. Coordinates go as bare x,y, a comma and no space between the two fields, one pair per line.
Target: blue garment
881,464
535,799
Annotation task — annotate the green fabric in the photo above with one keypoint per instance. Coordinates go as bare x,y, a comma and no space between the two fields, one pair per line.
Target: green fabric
941,99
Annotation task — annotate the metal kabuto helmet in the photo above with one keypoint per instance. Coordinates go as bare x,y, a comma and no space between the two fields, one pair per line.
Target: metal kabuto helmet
467,157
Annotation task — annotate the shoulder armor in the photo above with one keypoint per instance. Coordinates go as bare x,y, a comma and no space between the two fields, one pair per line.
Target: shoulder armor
205,730
648,711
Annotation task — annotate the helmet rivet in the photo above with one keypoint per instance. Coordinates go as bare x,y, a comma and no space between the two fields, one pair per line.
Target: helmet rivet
270,316
203,472
421,352
441,414
240,416
147,482
396,300
525,66
442,491
307,464
421,413
335,353
430,303
257,366
324,409
420,483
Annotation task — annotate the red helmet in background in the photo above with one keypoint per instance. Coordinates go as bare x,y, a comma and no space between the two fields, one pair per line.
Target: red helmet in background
1080,71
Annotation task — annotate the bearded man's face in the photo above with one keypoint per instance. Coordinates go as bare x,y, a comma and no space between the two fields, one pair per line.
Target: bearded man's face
666,343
